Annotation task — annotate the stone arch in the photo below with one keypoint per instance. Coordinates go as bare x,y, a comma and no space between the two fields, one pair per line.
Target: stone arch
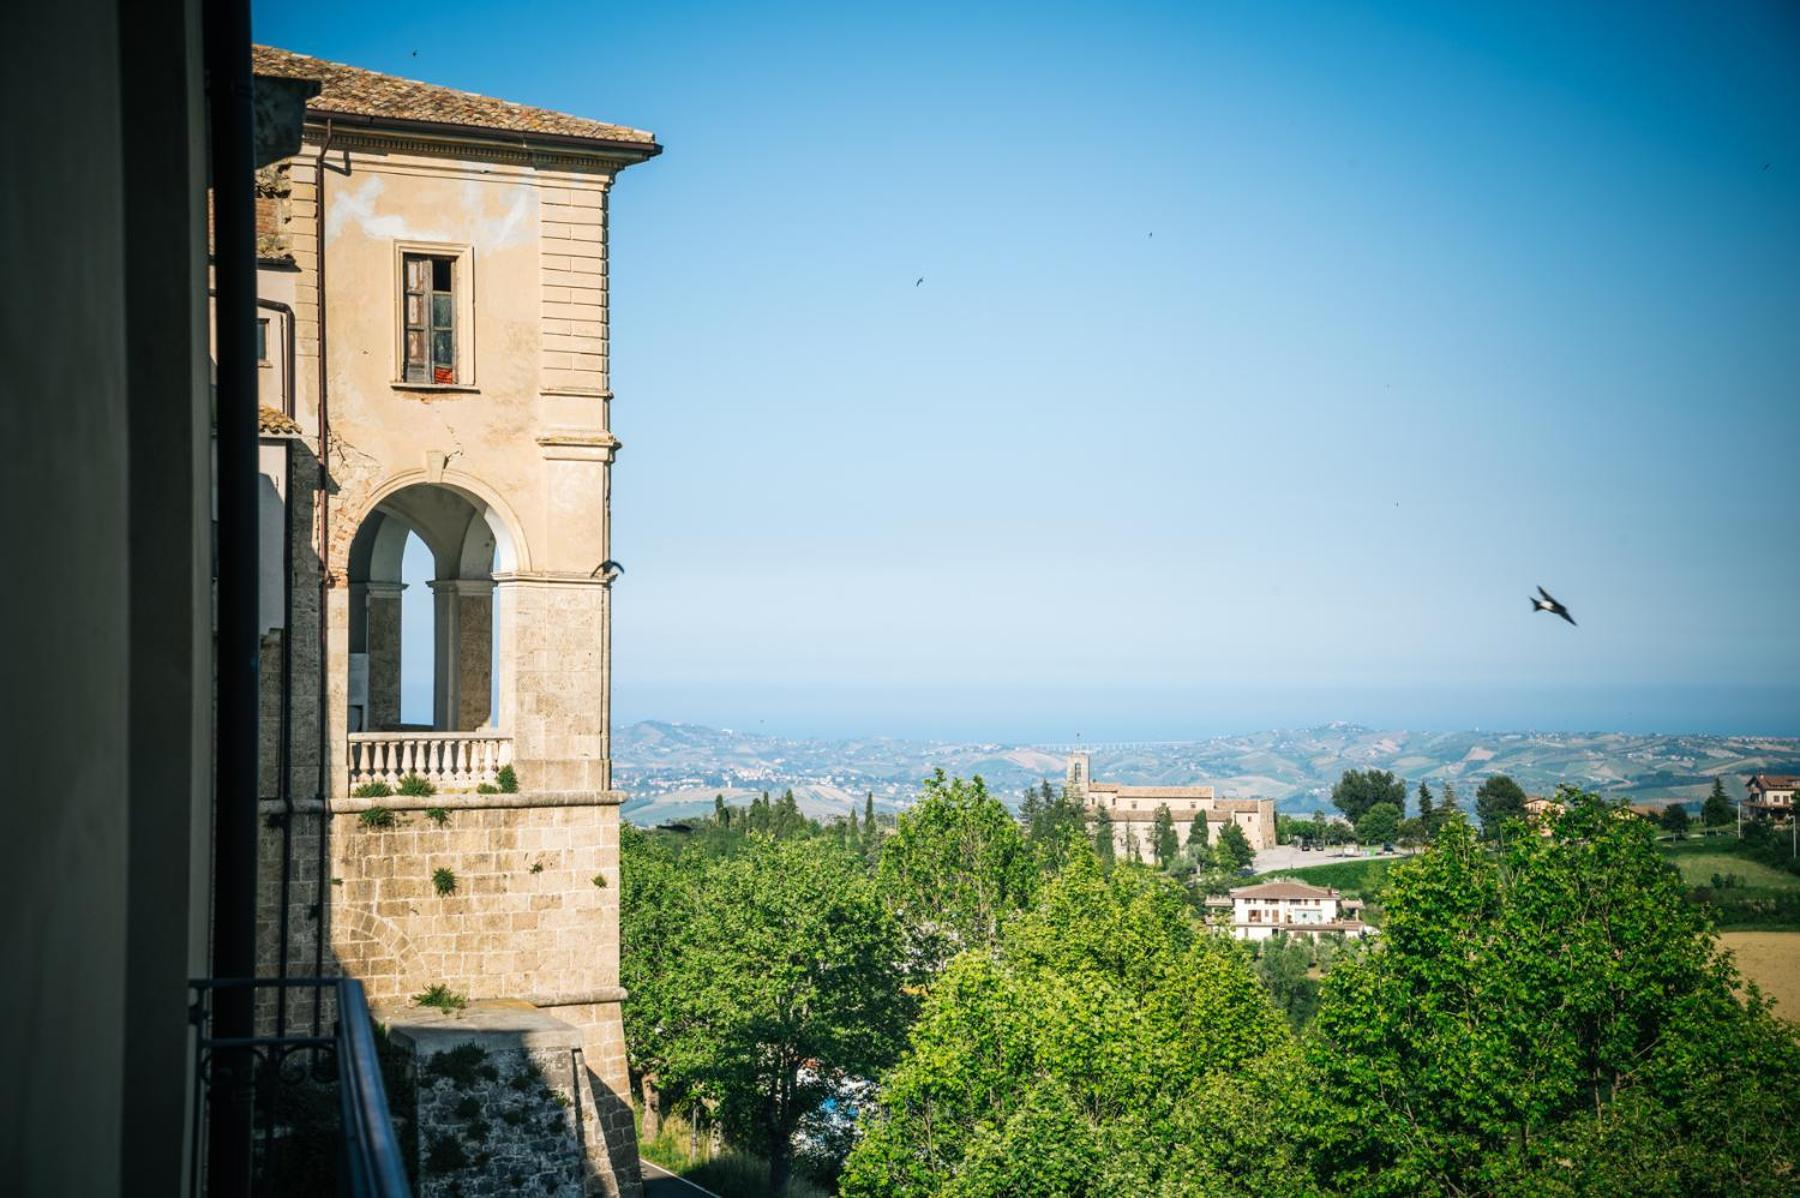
512,551
471,536
393,970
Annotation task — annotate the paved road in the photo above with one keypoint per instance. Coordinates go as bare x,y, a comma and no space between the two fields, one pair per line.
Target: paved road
660,1183
1289,856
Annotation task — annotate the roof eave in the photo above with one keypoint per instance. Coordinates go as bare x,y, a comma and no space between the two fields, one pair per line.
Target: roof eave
599,147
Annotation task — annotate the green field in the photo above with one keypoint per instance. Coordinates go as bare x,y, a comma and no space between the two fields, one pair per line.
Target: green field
1699,860
1355,879
1738,890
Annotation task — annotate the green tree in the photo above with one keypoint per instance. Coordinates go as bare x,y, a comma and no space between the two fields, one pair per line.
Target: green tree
1498,800
1549,1018
1424,805
787,986
1282,966
1359,790
1197,837
1675,819
1163,839
1717,812
657,895
954,869
1232,850
1379,824
1110,1046
1103,839
1057,825
1447,811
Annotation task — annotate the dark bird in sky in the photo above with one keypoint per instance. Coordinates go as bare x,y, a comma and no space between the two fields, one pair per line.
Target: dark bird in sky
608,570
1548,603
919,280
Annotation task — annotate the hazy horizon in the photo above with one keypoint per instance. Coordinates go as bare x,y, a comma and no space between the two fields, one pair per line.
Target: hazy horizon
1265,359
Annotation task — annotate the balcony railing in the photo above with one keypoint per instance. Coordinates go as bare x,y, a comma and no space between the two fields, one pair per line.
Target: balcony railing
283,1084
448,760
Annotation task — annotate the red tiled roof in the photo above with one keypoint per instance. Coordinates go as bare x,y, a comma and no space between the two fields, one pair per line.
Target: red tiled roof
358,92
1774,782
1283,890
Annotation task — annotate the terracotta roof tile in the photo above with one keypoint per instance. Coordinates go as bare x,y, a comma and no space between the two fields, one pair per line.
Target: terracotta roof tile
1282,890
355,91
272,422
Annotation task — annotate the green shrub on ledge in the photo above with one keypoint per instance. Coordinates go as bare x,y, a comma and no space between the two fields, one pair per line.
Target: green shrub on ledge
487,788
442,998
444,880
508,780
373,790
416,787
377,817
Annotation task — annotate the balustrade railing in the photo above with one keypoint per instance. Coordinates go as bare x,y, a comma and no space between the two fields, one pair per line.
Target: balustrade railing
446,759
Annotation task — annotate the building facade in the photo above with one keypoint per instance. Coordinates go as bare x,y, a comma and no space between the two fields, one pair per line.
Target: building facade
434,296
1771,797
1290,908
1132,810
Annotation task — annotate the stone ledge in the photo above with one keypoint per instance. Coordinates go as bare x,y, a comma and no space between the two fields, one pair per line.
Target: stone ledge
606,994
351,805
432,1031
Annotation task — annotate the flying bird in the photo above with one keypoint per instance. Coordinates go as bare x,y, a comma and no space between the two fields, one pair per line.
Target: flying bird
919,280
1548,603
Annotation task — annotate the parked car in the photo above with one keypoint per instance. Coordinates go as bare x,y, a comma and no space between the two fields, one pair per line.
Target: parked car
1387,848
1246,872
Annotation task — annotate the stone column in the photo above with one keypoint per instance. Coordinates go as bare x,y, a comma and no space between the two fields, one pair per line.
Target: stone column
463,680
382,642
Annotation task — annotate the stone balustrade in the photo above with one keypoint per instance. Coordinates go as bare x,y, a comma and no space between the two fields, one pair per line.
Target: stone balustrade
448,760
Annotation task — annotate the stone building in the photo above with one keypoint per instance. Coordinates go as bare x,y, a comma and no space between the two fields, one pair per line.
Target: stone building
1132,810
433,284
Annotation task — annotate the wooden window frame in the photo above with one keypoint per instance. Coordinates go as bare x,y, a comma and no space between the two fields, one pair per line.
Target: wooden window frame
461,329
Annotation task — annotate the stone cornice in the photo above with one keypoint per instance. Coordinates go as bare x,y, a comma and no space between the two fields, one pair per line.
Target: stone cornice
472,144
351,805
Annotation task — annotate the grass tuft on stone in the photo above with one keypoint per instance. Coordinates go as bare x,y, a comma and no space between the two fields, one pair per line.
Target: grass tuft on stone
444,999
415,786
377,817
373,790
443,880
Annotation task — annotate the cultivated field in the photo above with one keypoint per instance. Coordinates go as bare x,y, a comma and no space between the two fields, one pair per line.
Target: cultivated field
1772,961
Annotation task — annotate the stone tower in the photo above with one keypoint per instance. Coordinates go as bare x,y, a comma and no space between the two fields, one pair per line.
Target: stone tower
435,280
1079,775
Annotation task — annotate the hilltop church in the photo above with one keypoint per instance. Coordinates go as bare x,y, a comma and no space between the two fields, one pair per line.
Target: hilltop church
1132,810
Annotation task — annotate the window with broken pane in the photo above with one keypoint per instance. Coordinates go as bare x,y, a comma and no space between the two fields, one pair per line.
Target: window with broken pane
430,319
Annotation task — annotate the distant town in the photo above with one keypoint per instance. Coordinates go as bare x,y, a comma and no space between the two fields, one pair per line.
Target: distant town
674,770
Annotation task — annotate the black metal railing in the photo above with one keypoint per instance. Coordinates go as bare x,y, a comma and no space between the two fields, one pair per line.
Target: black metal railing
321,1119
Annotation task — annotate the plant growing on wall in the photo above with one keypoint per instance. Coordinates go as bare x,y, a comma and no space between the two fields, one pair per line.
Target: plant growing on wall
416,786
486,788
444,880
442,998
507,780
437,815
377,817
373,790
537,867
600,881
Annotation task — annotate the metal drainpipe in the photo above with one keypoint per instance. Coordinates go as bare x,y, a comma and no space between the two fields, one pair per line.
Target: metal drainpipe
283,781
230,109
323,503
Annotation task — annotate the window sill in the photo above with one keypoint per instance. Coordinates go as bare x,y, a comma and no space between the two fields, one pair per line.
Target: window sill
467,388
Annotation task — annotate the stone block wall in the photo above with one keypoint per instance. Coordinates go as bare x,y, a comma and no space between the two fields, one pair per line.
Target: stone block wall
555,683
504,1106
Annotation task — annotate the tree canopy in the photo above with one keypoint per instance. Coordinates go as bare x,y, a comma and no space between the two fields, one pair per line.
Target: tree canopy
1108,1045
1550,1018
1498,800
786,985
1359,790
954,869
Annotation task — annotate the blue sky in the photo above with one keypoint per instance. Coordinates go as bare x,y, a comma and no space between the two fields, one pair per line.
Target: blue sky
1268,354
